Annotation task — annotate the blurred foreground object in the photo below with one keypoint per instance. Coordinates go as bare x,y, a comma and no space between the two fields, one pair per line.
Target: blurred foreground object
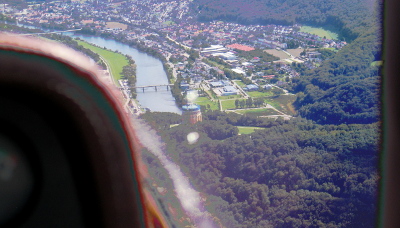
66,145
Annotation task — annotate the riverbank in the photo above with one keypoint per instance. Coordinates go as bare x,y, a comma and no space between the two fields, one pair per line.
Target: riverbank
114,60
115,63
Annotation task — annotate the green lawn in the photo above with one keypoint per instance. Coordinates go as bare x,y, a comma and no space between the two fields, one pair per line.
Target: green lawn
259,112
229,104
116,61
283,103
259,94
240,83
205,101
247,130
319,32
230,97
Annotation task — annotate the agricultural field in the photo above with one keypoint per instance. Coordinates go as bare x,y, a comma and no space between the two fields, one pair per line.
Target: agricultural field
115,60
319,32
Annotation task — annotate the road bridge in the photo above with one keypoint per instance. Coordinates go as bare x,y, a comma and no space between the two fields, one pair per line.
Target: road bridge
153,86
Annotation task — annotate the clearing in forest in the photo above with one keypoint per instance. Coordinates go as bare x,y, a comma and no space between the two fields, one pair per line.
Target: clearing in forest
319,32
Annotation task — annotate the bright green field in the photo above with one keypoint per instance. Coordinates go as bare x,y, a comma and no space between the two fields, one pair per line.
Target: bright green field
229,104
319,32
205,101
259,112
229,97
116,61
247,130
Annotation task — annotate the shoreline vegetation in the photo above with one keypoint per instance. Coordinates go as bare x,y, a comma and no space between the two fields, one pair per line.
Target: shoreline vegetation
121,66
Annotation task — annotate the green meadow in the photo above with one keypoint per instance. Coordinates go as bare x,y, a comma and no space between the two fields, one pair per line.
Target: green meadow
247,130
115,60
319,32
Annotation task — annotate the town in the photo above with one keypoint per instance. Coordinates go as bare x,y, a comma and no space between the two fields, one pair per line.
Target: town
234,67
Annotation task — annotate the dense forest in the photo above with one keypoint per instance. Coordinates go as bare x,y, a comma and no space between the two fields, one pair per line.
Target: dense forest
289,174
348,17
346,87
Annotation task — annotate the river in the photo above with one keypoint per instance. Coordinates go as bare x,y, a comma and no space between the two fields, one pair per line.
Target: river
149,71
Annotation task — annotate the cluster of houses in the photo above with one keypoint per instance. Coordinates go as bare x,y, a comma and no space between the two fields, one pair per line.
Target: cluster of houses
138,19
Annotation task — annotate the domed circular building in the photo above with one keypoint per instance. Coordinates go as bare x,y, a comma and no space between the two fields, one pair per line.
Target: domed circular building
191,113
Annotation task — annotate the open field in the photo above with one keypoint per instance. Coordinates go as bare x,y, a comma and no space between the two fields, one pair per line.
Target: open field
283,103
229,97
205,101
279,54
115,61
240,83
247,130
114,25
259,94
296,52
228,104
319,32
258,112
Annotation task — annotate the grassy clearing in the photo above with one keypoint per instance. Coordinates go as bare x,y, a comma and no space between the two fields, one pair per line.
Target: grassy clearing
259,94
240,83
229,104
248,130
319,32
259,112
205,101
283,103
230,97
115,60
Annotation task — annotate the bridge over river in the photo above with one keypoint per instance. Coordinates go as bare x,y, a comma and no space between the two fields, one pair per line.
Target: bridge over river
154,86
148,86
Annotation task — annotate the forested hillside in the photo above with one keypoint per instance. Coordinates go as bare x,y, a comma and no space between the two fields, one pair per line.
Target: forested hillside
349,17
291,174
345,88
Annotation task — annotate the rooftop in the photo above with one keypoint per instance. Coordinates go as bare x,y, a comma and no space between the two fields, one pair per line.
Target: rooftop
191,107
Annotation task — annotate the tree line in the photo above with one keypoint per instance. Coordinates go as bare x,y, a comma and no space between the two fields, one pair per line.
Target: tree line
349,18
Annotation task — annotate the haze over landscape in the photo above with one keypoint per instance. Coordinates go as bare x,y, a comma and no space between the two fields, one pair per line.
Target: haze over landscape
286,114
